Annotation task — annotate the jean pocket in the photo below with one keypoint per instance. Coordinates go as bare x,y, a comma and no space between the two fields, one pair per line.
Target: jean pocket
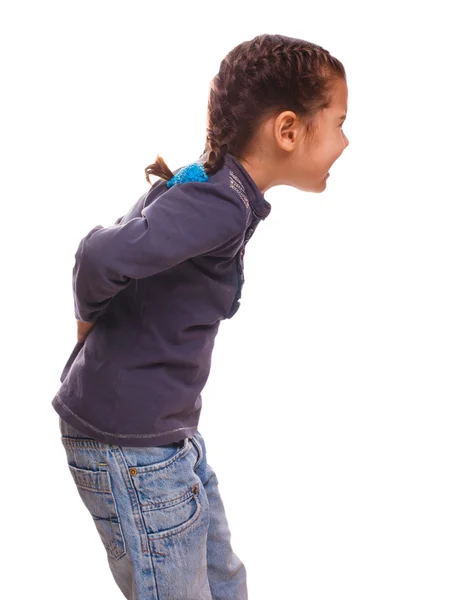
171,519
168,490
96,492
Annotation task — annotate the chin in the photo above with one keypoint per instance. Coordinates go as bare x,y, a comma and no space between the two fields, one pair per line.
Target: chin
322,186
316,188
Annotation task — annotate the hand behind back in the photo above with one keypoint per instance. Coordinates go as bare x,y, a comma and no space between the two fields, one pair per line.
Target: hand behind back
83,330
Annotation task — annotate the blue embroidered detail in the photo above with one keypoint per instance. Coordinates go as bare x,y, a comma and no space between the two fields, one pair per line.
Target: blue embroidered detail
192,172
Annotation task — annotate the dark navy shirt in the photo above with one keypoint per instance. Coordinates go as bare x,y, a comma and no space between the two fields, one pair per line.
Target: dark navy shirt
157,284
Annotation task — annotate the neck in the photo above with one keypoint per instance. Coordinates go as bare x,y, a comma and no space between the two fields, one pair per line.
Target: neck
258,171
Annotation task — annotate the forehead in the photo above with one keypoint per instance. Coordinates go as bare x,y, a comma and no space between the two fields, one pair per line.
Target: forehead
339,97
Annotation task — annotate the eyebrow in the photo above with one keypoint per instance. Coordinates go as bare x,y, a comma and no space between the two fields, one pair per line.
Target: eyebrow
343,116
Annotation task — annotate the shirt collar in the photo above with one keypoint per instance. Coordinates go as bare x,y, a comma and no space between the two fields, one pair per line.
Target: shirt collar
260,205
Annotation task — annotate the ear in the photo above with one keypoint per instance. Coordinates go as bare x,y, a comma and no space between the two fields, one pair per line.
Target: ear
286,129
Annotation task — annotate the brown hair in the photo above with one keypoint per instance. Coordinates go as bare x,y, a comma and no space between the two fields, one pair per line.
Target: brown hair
257,79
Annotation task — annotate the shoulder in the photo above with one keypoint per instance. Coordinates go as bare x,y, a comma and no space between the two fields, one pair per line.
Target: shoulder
192,182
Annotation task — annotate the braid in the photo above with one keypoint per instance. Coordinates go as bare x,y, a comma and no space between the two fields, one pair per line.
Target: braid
221,129
159,168
216,150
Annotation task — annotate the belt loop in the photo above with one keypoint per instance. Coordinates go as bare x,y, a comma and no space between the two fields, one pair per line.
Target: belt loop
199,450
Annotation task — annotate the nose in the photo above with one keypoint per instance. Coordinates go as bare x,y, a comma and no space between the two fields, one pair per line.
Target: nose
346,139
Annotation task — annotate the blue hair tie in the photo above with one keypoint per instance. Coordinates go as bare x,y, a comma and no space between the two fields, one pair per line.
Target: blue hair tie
192,172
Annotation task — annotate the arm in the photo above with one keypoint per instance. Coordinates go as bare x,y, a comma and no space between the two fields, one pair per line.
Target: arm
187,220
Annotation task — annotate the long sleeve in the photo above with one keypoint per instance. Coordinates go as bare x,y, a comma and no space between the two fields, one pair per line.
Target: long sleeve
187,220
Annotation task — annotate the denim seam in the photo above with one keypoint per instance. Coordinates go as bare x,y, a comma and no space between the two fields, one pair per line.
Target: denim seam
135,504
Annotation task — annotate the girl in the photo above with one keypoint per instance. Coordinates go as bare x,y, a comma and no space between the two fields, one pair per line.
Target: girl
150,292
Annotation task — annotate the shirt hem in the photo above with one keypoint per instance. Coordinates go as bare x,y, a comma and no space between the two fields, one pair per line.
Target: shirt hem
142,440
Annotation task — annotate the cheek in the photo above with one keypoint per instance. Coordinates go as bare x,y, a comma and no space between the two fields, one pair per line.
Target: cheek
326,151
332,149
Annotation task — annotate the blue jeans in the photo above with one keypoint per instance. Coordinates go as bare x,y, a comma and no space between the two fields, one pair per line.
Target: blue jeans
160,516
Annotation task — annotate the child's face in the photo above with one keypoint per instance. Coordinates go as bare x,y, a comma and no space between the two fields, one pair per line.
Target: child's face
316,155
282,155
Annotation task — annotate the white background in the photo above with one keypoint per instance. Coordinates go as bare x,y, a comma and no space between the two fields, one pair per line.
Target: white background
334,412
